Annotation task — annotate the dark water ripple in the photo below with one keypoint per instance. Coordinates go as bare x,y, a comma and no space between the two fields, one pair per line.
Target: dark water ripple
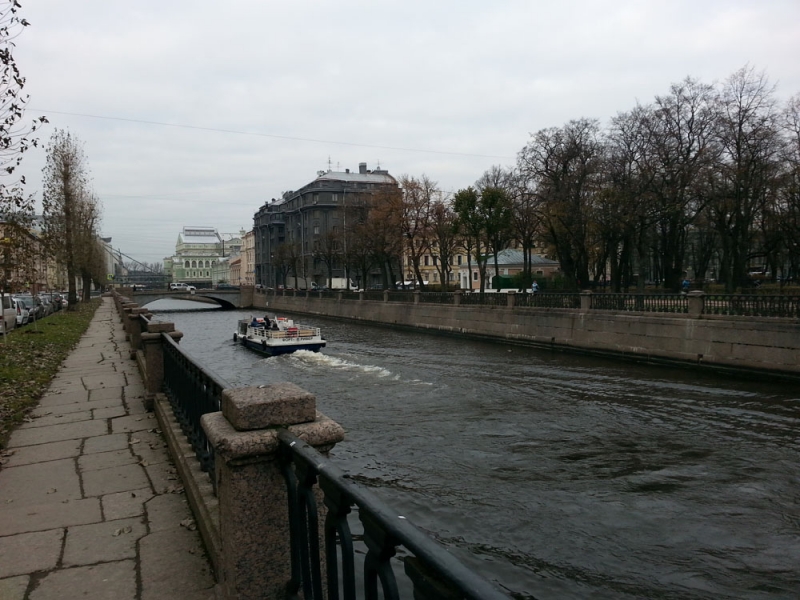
557,476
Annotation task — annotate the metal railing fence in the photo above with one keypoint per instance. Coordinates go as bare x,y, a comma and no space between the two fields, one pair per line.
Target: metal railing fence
752,305
548,300
401,296
192,392
433,572
661,303
437,297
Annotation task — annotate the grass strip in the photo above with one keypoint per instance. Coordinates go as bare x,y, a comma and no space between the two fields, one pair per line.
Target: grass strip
31,356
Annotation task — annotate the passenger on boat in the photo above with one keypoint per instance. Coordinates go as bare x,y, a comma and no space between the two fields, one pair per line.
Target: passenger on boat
267,322
254,323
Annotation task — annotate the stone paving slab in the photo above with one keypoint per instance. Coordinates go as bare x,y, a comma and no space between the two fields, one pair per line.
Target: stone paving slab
110,413
163,476
57,399
28,518
45,420
107,581
167,511
62,409
56,433
118,479
102,542
50,482
112,380
106,443
27,455
13,588
123,505
133,423
30,552
150,446
106,393
173,565
105,460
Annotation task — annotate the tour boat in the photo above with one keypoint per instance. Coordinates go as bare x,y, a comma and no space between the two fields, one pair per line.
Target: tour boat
278,336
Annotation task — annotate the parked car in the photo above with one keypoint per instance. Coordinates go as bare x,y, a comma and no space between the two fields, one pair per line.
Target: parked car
21,311
34,305
227,286
47,304
8,315
181,287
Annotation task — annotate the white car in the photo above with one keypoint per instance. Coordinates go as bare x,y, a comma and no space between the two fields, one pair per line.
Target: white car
8,315
181,287
22,311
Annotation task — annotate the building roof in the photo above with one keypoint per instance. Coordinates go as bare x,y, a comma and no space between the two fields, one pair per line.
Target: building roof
377,176
199,235
515,257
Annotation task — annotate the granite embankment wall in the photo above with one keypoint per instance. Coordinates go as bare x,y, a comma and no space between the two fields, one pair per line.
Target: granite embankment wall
729,344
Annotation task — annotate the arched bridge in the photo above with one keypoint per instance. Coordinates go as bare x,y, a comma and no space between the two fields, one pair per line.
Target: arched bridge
227,299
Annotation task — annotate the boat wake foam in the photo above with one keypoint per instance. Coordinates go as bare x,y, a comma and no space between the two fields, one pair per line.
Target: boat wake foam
317,358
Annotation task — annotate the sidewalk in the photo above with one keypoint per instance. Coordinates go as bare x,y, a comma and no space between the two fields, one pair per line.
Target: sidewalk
90,504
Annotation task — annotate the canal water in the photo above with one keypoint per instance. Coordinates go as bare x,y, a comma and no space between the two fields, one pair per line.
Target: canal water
556,476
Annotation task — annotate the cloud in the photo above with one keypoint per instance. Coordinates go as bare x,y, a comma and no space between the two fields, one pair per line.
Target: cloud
447,89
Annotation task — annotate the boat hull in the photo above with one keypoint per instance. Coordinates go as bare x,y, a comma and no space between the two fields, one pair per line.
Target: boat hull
275,349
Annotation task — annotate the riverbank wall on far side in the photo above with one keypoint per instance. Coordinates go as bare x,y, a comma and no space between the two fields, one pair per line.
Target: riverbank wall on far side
740,345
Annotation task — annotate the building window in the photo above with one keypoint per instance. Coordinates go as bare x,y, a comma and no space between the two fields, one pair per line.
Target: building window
459,259
186,265
194,264
435,261
334,197
474,276
316,229
427,261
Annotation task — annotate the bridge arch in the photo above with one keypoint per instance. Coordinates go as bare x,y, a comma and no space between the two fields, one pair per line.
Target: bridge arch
226,299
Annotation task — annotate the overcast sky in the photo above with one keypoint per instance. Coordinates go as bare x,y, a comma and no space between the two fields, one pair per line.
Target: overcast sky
195,112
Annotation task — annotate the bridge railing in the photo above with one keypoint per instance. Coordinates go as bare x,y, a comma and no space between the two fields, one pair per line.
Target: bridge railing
265,449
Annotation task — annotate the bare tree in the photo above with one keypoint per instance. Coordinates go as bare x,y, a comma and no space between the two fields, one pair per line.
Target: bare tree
444,242
682,148
748,137
526,218
70,211
787,205
16,208
413,210
465,205
566,163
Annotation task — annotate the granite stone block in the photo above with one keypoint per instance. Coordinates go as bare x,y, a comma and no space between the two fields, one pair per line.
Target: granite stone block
261,407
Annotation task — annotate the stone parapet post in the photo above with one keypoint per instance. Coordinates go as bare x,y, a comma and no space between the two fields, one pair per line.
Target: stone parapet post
153,352
339,296
696,303
253,501
135,317
457,297
511,300
123,313
586,300
385,295
416,296
360,295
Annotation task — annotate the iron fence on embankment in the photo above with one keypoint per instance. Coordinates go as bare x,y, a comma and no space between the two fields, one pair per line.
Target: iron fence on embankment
194,390
747,305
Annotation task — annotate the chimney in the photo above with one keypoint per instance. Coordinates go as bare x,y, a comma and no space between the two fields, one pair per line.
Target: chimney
347,170
362,168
